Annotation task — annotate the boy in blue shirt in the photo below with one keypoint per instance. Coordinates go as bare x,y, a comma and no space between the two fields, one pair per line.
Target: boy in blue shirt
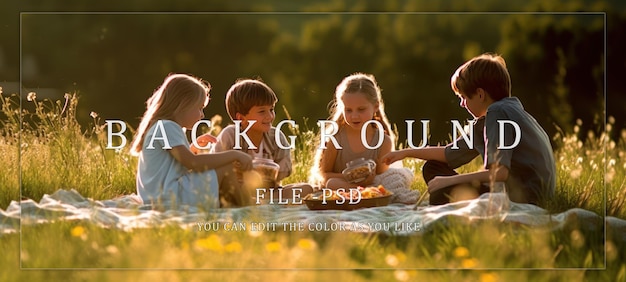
526,164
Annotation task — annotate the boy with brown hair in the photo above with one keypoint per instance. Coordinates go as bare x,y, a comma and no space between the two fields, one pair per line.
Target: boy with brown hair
251,102
514,147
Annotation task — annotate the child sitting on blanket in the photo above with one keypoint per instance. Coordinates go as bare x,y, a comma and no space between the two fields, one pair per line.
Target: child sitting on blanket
358,100
168,173
483,85
252,102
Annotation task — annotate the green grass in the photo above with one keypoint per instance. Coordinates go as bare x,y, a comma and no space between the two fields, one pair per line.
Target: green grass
57,154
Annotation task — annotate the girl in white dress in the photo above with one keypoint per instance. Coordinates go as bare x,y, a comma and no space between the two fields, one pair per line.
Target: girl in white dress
168,173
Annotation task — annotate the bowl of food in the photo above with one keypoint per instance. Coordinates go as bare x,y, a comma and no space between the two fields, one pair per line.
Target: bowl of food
268,170
358,170
348,199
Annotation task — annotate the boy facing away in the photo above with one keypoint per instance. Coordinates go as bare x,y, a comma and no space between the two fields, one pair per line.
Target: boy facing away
528,169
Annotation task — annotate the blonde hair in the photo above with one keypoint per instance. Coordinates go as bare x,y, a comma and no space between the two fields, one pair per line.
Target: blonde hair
356,83
177,93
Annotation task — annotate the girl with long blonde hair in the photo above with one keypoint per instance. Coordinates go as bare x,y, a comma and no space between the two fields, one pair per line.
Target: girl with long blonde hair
357,102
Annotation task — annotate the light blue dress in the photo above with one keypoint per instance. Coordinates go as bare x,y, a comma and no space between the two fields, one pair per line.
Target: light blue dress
162,180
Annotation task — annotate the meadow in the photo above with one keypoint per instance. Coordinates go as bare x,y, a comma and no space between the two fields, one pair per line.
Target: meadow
43,149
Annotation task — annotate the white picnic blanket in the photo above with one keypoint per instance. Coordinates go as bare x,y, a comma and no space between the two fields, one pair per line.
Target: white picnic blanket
127,213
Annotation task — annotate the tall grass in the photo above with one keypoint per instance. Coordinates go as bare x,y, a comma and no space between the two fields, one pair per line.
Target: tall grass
591,173
9,150
54,153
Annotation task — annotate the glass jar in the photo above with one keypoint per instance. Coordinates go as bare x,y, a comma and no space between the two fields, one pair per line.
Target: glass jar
499,204
358,170
268,169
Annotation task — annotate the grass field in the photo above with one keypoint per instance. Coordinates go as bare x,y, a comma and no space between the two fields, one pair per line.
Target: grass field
50,151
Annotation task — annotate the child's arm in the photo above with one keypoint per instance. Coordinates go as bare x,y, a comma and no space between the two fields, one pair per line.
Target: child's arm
436,153
381,164
202,140
497,173
328,161
203,162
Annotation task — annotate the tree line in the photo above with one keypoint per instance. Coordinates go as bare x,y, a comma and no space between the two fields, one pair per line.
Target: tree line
556,55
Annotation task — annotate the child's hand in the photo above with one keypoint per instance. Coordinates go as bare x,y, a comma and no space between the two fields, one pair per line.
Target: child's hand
202,141
392,157
243,161
439,182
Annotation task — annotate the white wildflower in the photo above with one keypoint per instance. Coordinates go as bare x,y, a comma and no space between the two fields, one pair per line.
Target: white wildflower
31,96
392,260
111,249
401,275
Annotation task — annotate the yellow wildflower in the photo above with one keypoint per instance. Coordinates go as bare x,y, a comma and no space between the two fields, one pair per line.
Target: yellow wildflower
272,247
212,243
469,263
306,244
233,247
78,231
488,277
461,252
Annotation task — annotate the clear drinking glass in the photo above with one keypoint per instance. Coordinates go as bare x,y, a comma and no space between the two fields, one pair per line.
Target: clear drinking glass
499,204
268,170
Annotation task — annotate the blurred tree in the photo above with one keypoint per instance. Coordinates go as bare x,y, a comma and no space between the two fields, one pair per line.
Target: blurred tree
549,70
616,67
115,61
